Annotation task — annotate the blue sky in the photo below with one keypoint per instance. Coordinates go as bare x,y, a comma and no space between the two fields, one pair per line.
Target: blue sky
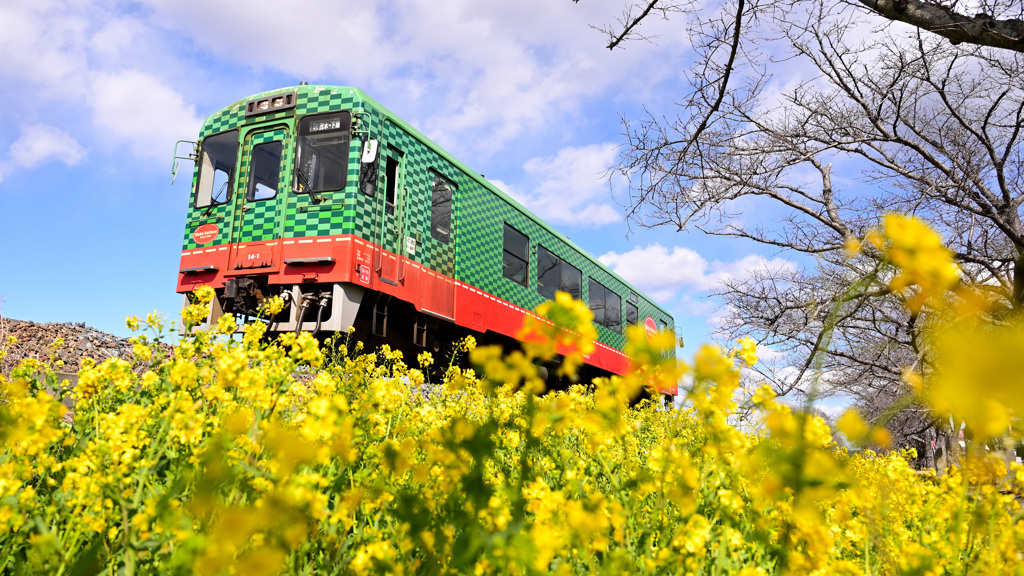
97,92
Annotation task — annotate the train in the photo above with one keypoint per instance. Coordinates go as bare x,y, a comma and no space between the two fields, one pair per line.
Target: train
322,196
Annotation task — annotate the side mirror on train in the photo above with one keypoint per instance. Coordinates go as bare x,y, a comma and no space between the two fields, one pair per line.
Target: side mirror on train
369,151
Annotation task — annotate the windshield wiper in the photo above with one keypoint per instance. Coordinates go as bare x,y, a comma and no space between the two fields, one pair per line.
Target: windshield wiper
214,202
304,183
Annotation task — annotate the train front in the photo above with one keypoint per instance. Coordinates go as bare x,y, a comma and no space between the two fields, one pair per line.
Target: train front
273,205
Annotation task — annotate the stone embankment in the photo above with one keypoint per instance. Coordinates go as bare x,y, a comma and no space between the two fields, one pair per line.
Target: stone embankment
80,341
35,340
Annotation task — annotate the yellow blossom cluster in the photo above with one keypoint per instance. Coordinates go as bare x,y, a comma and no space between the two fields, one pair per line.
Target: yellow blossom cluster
924,267
243,455
969,366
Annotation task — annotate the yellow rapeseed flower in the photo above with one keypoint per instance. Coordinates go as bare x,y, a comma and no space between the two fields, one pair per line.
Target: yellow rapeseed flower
747,352
920,258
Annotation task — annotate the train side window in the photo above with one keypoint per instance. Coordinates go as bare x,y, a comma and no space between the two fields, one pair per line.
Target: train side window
369,165
321,161
606,306
548,277
515,258
572,280
595,295
632,313
554,274
441,210
612,311
265,171
391,184
218,157
664,327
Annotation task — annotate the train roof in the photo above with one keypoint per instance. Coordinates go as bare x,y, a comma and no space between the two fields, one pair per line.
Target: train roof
366,99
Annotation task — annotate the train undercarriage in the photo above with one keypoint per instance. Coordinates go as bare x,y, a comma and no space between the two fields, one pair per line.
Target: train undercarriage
376,319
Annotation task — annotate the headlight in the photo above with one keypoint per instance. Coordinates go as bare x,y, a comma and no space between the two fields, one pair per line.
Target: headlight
270,104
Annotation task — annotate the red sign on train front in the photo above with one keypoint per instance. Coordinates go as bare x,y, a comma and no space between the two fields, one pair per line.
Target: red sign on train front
205,233
652,327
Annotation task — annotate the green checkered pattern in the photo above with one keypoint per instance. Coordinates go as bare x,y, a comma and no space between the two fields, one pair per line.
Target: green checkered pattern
316,99
480,257
474,254
419,165
337,213
301,216
196,219
261,221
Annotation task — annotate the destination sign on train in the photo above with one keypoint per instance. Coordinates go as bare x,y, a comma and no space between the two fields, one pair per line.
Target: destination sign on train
324,125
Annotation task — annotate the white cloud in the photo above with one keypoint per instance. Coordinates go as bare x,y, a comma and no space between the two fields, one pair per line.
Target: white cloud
140,109
697,305
323,36
569,187
40,143
472,75
479,73
115,38
42,42
82,57
656,269
664,272
769,354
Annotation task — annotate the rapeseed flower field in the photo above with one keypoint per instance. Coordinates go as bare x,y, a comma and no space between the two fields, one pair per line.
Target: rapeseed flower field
236,455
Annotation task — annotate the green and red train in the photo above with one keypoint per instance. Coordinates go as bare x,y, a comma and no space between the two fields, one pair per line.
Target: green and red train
322,196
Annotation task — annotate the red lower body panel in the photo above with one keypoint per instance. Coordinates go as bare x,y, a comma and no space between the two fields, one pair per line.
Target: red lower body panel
346,258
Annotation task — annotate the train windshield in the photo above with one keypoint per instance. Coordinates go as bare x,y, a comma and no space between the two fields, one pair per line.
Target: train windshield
219,154
322,160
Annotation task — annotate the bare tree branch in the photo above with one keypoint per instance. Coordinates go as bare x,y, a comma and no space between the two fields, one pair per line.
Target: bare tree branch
616,40
982,29
996,24
880,122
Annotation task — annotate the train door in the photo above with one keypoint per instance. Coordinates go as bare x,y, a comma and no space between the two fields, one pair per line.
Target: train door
439,297
210,220
391,237
259,203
